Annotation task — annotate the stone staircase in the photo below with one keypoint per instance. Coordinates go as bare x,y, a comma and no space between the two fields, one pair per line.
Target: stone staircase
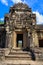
16,56
19,56
38,54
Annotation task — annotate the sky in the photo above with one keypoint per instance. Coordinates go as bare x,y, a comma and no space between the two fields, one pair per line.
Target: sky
35,5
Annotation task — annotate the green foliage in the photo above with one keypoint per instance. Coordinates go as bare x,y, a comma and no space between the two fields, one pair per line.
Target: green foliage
1,22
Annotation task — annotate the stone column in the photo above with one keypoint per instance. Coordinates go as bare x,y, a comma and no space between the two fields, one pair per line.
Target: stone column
35,39
24,40
14,37
8,40
8,37
27,40
30,40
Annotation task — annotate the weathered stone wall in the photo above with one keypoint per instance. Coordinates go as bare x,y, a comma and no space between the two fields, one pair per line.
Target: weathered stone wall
35,39
24,40
20,17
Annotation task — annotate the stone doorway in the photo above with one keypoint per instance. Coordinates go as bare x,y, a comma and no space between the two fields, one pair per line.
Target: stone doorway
19,40
41,43
2,38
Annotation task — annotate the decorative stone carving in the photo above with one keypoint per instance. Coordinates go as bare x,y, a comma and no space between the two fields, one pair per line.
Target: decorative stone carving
20,17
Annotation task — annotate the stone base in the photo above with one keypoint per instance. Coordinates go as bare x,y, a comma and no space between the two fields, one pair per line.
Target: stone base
18,56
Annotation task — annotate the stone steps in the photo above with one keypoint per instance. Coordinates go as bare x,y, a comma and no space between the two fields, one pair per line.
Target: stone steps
39,53
19,57
1,52
26,64
19,64
39,56
22,62
19,52
16,54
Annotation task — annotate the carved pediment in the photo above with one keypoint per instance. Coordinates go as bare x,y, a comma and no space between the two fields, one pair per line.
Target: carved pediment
20,16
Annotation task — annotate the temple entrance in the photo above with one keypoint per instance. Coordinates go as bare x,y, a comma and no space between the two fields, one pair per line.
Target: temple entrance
2,38
41,43
19,40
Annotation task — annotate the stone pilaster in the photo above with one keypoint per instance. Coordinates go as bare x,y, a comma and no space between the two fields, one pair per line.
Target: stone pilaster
8,40
35,39
8,37
14,41
24,40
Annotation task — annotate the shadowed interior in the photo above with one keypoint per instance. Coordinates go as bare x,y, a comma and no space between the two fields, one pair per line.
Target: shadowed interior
19,40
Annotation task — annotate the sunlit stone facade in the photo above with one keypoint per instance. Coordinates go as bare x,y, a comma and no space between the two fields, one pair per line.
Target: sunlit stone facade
20,34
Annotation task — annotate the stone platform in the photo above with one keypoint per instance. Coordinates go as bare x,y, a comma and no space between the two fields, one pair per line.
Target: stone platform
19,56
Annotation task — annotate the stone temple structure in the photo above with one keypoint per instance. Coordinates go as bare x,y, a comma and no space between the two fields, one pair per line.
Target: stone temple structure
21,39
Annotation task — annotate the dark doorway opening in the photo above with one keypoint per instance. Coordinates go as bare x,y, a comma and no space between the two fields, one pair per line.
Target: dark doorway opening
19,40
41,43
2,38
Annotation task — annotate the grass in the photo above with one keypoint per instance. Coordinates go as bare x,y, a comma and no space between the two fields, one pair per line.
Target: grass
1,22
